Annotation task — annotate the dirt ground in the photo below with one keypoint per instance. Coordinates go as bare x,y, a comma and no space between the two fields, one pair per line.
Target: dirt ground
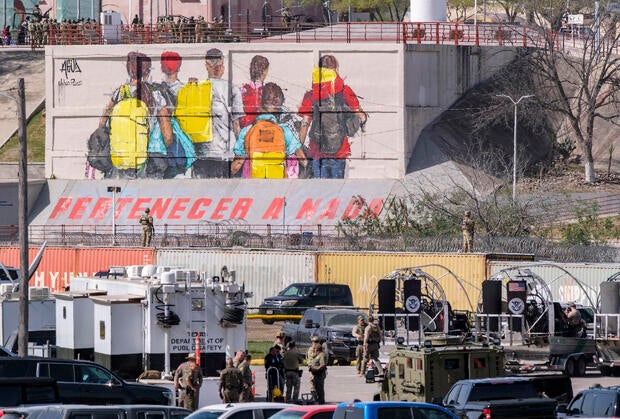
259,332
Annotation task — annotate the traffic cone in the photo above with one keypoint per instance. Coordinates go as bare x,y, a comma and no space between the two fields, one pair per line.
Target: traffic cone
253,384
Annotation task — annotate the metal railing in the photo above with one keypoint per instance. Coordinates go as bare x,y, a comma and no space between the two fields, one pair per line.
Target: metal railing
447,33
403,327
607,326
500,325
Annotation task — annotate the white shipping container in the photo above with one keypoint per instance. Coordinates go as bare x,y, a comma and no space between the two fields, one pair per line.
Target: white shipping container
559,277
263,273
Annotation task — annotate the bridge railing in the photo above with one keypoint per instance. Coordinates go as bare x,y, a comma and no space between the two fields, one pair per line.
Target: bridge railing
445,33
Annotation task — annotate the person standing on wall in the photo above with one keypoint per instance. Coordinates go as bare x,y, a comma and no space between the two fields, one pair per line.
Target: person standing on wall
372,341
147,227
467,226
358,334
188,379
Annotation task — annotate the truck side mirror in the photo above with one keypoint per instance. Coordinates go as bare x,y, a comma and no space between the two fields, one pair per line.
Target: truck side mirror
316,325
561,409
437,400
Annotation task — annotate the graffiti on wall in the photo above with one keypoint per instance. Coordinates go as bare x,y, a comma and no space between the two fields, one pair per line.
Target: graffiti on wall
208,127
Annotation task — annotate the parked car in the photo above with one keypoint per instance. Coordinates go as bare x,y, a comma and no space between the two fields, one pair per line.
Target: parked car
28,391
68,411
333,325
597,401
296,298
260,410
324,411
391,410
501,397
85,382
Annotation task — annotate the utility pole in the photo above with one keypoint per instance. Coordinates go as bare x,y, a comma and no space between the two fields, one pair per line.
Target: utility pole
24,275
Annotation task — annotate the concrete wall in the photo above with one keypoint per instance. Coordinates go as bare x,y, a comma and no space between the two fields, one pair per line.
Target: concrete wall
401,87
9,202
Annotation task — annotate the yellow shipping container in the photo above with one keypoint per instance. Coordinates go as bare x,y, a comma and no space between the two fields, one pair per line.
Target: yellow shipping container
362,271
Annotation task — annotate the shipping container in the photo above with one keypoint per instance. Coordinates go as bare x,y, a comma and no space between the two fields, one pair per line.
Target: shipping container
60,264
362,271
561,277
264,273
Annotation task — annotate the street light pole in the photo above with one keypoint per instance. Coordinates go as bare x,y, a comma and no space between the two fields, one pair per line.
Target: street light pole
514,145
114,190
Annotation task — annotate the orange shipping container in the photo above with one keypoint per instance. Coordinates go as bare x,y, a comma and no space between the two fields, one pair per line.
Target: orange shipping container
60,264
362,271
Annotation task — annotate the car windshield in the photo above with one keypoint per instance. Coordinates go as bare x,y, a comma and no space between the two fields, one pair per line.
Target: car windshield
338,319
297,291
498,391
206,414
288,414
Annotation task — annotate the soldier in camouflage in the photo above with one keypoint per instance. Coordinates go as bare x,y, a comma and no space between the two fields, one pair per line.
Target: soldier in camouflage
230,383
246,377
147,227
358,334
318,371
188,379
372,341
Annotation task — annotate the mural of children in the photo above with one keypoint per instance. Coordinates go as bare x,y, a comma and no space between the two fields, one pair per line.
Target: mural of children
180,151
266,142
213,157
339,115
131,116
251,92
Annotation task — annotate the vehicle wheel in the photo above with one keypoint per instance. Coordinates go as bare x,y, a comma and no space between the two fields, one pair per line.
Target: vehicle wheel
330,361
607,371
268,321
344,362
581,367
569,368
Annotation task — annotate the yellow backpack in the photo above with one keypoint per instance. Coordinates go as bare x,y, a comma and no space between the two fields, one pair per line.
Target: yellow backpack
193,111
129,131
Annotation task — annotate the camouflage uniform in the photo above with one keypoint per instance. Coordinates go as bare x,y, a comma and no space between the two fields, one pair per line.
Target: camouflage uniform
312,352
372,340
358,334
291,374
246,377
185,373
467,226
230,384
318,370
147,228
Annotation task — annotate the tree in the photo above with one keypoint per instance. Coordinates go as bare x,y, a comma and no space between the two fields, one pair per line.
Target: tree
581,84
512,8
460,8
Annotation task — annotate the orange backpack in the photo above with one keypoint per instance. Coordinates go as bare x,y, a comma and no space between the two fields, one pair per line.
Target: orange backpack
266,148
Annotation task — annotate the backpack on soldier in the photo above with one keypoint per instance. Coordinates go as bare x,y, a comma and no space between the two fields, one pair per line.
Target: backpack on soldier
129,131
193,111
332,121
375,335
266,148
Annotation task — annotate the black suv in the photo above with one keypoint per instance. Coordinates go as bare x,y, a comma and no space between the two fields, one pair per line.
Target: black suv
296,298
85,382
597,401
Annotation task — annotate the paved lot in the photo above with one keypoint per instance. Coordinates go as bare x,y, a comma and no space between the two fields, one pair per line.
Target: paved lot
343,384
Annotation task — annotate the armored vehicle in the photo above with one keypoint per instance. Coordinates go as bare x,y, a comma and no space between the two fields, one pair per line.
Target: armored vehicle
427,372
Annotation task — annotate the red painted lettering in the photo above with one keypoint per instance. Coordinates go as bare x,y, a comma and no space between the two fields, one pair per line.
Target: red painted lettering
159,207
375,207
308,209
62,205
102,206
120,205
354,208
241,208
274,210
179,206
137,208
221,206
330,211
79,208
194,213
